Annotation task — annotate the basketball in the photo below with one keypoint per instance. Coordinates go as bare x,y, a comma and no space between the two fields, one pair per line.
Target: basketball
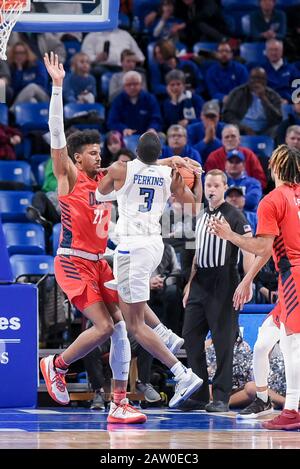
188,176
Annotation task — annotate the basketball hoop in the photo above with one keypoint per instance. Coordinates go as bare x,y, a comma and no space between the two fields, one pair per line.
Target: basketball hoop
10,10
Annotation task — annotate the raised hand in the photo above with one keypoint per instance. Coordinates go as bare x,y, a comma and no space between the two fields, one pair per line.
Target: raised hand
54,68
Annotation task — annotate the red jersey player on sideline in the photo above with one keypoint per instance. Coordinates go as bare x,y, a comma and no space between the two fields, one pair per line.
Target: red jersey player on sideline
278,231
80,268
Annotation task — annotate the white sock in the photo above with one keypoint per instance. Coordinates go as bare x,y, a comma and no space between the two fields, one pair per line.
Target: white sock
292,399
263,395
178,369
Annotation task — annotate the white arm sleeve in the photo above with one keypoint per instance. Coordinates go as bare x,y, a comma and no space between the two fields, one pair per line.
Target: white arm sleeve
105,198
56,121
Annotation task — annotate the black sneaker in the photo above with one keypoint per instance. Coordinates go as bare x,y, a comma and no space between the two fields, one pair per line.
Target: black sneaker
192,404
255,409
217,406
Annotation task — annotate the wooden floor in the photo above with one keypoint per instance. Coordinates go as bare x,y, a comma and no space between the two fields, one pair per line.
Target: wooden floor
67,428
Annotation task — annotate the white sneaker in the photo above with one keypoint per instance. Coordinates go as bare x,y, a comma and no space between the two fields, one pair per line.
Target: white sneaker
173,341
55,380
124,413
187,384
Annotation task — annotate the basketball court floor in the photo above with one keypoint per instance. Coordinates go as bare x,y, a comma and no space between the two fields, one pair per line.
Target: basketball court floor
79,428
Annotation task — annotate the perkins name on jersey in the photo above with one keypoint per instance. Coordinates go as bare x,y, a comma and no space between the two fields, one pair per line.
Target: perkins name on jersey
148,180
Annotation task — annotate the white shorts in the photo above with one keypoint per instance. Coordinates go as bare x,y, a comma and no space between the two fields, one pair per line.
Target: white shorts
134,263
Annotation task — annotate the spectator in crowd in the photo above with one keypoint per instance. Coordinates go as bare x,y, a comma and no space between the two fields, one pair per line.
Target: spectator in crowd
292,119
134,110
166,25
165,59
9,138
279,72
6,91
128,63
254,107
205,135
237,176
165,297
177,144
204,21
292,137
231,141
182,106
80,85
225,75
124,155
266,284
104,49
267,22
112,144
29,78
235,196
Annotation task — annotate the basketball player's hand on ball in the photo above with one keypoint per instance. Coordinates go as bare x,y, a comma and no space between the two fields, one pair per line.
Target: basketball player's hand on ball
54,68
219,227
242,294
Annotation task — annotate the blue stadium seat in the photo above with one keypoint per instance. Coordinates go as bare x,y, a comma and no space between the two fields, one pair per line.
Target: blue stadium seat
131,142
55,237
262,145
286,3
41,173
240,4
124,21
31,264
105,79
77,109
252,51
24,238
245,25
205,46
286,109
13,205
32,116
35,161
3,114
72,48
16,171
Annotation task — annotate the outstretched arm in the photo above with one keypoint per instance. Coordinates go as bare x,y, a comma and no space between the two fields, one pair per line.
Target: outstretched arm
62,164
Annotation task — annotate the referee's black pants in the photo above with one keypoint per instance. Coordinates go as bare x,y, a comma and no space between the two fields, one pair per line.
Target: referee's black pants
209,308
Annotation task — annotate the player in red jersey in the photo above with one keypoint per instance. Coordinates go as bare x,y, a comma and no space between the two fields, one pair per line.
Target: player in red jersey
80,268
278,232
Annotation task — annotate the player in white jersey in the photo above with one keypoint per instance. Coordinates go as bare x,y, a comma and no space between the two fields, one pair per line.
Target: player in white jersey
142,188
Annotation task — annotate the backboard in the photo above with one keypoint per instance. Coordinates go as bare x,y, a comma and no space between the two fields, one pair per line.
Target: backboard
69,16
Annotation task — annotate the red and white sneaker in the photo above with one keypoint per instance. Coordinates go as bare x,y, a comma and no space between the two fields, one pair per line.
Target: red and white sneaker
287,420
124,413
55,380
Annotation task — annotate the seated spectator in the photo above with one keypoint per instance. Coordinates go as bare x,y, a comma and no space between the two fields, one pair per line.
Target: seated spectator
267,22
134,110
165,60
266,283
29,78
6,91
254,107
235,196
225,75
165,299
292,136
205,135
104,49
204,21
177,144
231,141
124,155
182,106
128,63
80,85
279,72
166,24
237,176
112,144
9,138
292,119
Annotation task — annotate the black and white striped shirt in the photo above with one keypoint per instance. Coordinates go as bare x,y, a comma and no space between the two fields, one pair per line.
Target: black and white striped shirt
211,251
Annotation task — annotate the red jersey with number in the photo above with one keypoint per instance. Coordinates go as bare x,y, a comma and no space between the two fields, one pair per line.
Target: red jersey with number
279,215
84,220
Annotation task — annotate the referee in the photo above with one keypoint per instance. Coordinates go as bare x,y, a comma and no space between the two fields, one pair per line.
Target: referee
208,297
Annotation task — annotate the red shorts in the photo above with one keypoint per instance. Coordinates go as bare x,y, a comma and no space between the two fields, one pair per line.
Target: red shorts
289,299
83,280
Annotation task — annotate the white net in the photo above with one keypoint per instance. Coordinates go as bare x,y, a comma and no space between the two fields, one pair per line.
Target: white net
9,14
